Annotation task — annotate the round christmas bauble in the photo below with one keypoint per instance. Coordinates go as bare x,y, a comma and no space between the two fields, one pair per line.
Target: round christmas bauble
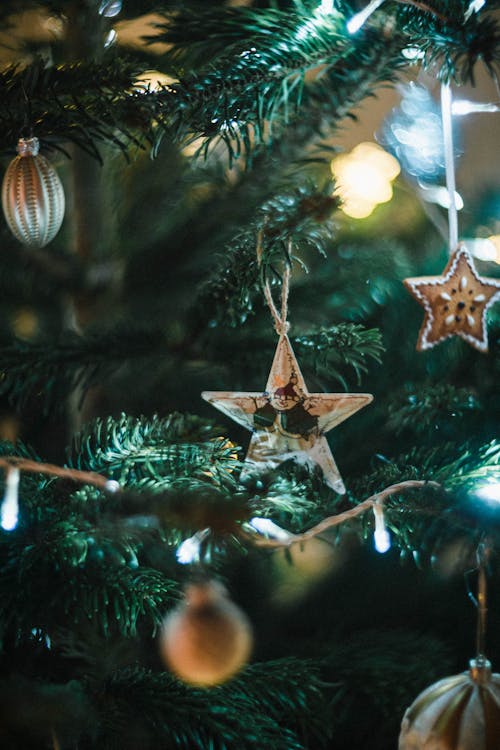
207,638
458,713
32,196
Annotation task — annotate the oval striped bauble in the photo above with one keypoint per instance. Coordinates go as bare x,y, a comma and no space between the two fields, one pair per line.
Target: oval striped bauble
32,196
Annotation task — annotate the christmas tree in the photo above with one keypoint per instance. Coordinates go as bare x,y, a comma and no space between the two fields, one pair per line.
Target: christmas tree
220,210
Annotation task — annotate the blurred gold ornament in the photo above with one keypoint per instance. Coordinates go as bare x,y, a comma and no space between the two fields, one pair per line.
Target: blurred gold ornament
302,565
454,557
207,638
10,427
24,323
458,713
32,196
312,559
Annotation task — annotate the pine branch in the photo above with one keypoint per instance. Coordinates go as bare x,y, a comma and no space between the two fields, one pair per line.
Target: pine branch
53,369
303,214
355,282
251,91
56,368
263,92
425,521
448,463
347,345
454,46
132,449
266,704
420,408
255,92
475,467
374,668
51,710
442,31
108,110
56,573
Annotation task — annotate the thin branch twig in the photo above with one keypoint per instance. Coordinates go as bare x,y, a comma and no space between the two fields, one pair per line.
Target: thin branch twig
426,8
33,467
339,518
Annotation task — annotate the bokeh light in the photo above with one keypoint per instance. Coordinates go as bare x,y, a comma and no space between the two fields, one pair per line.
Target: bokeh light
363,178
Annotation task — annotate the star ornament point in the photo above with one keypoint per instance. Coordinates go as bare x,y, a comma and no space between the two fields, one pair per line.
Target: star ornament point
455,303
286,420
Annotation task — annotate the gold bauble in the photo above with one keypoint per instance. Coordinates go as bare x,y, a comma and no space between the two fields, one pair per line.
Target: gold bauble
302,565
207,638
458,713
32,196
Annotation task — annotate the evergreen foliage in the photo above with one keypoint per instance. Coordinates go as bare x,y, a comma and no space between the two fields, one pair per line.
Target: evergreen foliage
151,293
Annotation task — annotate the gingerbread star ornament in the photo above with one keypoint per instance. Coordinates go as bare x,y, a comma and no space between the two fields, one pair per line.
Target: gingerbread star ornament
286,420
455,303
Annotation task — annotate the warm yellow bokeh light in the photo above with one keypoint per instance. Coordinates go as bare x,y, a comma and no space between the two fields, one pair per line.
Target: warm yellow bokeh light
357,207
363,178
24,323
153,80
495,241
373,154
134,33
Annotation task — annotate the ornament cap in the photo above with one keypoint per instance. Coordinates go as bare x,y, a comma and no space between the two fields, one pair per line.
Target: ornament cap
480,670
28,146
204,593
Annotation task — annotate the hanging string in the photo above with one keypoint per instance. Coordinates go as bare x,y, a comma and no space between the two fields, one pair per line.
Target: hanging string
281,324
449,162
27,131
482,604
480,601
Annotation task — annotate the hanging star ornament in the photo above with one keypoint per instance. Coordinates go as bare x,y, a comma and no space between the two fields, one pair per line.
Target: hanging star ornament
286,420
455,303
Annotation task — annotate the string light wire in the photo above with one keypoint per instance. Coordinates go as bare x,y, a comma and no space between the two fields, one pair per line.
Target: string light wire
358,20
340,518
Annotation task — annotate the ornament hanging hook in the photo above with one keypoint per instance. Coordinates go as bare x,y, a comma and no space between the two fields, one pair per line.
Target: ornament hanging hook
482,555
480,599
27,129
281,324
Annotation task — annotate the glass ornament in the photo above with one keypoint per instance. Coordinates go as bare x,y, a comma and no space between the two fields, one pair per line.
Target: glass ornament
32,196
206,639
458,713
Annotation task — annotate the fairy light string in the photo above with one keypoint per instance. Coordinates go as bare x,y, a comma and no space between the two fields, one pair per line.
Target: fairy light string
255,532
370,503
13,465
34,467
